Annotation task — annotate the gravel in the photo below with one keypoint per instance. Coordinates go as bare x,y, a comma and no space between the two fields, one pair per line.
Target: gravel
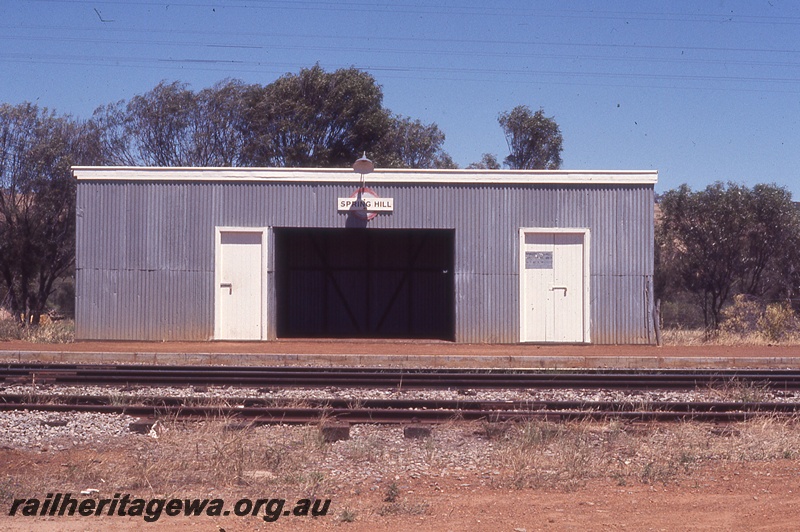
55,431
300,394
58,431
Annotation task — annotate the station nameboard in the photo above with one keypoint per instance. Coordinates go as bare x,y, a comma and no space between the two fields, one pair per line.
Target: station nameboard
365,203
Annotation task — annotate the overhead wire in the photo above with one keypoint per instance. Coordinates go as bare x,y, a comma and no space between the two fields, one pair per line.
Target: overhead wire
448,9
426,46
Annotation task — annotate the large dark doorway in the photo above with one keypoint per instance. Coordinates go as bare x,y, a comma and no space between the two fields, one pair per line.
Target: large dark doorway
365,283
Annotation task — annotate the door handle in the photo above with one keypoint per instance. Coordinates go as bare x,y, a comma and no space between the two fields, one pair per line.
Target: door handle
229,286
564,288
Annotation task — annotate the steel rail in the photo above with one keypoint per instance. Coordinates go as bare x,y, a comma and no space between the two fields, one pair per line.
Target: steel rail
8,401
404,411
385,416
256,376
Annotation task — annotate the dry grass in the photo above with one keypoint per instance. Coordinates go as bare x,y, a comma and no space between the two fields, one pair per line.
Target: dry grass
221,457
700,337
565,456
222,453
9,330
48,332
741,392
545,454
746,321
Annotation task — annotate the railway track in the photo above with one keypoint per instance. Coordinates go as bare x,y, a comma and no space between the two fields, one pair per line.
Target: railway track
387,411
256,410
257,376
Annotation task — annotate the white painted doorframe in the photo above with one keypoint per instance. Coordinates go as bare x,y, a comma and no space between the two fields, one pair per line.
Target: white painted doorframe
221,285
525,332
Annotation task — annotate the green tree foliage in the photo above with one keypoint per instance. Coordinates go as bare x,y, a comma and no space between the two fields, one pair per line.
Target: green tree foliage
163,120
488,162
727,240
411,144
773,262
534,140
315,119
221,127
174,126
37,202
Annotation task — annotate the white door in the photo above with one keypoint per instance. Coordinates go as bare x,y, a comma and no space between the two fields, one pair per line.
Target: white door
553,287
239,291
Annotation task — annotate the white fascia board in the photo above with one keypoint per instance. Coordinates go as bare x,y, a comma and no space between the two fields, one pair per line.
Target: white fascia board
346,175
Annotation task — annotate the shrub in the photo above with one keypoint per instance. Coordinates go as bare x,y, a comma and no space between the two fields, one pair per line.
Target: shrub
749,317
9,330
742,317
777,321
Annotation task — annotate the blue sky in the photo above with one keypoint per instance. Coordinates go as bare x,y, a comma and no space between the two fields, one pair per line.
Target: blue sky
700,91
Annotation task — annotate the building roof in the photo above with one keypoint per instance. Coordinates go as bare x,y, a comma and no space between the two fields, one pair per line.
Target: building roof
346,175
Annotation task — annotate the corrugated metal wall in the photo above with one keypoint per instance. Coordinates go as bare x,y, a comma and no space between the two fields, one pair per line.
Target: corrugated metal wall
145,249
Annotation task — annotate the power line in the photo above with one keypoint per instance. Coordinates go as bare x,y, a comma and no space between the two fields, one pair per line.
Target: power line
483,53
428,8
429,73
451,49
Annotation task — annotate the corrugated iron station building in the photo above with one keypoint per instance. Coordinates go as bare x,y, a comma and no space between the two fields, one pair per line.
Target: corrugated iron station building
472,256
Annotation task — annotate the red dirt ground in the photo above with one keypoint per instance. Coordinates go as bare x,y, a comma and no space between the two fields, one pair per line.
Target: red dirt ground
761,496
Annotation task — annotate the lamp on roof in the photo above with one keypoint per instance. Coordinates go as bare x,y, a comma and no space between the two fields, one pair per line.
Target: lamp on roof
363,166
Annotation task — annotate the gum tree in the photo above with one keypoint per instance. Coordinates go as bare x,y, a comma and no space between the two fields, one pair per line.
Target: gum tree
37,202
534,140
409,143
173,126
488,162
726,240
315,119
